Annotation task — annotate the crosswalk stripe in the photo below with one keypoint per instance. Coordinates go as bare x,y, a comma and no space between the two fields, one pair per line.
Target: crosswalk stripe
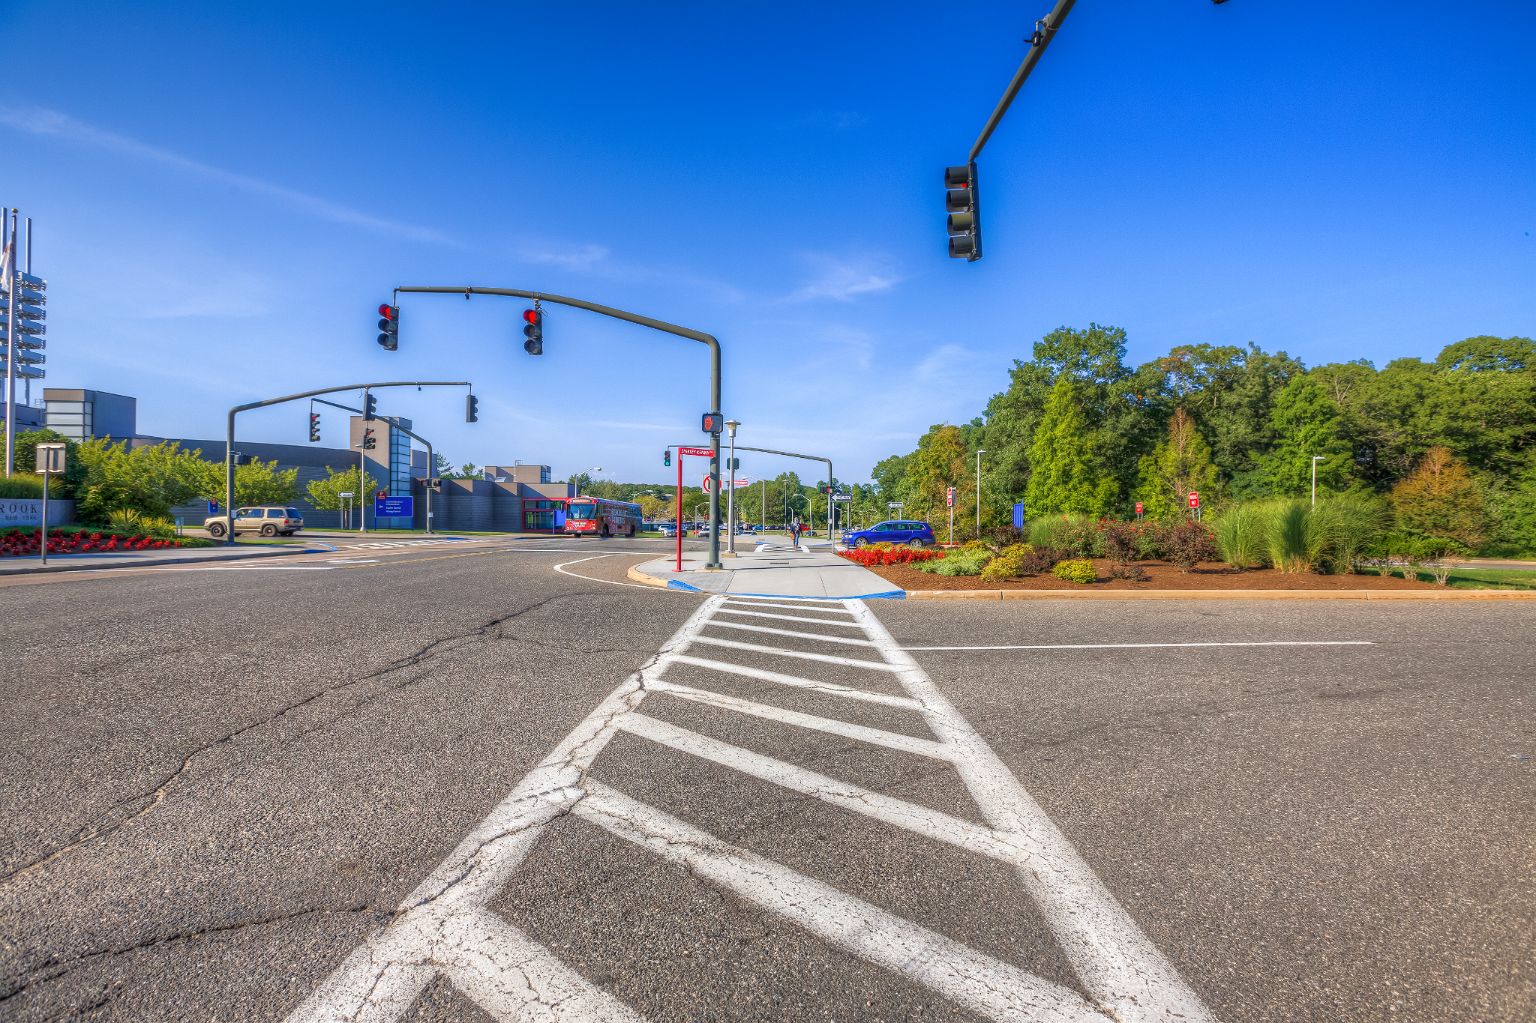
768,630
832,726
963,975
804,655
797,681
803,606
790,618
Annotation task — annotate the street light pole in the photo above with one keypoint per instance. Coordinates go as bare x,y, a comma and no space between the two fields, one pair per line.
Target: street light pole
979,453
729,478
1315,460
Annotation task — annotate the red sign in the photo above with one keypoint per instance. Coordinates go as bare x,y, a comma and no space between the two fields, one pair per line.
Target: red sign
381,495
1194,500
695,452
1138,507
949,498
708,483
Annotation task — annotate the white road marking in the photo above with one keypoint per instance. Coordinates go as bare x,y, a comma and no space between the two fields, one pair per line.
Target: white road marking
921,820
747,598
804,655
1154,646
243,568
787,607
798,682
791,633
611,582
832,726
957,972
444,928
1122,970
789,618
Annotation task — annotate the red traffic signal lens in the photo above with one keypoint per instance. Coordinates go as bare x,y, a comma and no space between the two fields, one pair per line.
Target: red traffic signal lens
532,316
389,312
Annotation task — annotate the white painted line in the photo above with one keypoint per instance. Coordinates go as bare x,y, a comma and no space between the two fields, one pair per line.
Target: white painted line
610,582
788,618
921,820
1154,646
798,682
242,568
382,978
804,655
792,634
969,978
787,607
1122,971
846,729
747,598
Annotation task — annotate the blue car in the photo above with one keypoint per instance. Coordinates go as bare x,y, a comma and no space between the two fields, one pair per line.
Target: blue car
898,531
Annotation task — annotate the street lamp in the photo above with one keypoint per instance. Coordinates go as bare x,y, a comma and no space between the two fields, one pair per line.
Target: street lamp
1315,460
585,476
979,453
728,479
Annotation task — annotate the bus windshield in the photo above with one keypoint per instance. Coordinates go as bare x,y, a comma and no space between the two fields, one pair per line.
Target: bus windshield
584,510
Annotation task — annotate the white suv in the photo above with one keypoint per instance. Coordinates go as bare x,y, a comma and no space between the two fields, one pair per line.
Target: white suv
268,521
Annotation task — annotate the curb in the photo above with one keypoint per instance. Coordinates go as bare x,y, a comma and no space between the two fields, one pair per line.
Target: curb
634,573
1002,595
51,569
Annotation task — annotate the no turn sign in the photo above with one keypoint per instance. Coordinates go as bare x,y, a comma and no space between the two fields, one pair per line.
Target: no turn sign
1194,499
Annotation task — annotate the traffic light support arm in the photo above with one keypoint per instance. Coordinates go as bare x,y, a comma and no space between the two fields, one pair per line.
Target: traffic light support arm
1049,26
644,321
431,465
810,458
229,435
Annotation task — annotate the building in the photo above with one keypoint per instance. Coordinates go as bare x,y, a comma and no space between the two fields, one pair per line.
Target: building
82,415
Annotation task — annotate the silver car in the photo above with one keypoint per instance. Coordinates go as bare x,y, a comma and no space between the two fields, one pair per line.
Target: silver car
266,520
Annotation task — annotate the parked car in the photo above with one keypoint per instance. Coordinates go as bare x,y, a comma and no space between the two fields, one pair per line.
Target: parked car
899,531
268,521
667,529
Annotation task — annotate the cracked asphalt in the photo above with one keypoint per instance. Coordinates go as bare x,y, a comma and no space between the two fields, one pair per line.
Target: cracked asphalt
210,810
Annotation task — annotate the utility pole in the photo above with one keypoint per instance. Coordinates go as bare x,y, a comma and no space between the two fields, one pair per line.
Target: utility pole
979,453
1315,460
730,476
12,311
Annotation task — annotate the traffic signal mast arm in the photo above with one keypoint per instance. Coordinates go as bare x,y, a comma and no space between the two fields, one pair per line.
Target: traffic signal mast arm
431,463
811,458
1045,31
708,340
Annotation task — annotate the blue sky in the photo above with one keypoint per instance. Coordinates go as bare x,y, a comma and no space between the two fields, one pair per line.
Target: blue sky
224,193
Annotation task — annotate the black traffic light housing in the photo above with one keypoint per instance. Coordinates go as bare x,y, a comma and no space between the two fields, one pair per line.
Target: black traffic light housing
533,330
314,427
963,202
370,406
713,423
389,327
471,409
368,439
666,457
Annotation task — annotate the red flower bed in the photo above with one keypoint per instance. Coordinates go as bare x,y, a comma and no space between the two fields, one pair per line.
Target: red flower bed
15,543
873,557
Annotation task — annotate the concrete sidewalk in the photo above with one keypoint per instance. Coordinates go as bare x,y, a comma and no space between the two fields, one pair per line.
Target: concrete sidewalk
152,559
814,573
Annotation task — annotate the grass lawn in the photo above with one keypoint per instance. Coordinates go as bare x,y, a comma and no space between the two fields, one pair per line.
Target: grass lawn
1488,579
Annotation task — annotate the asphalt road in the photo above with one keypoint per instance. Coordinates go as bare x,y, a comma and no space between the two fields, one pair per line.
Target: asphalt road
426,783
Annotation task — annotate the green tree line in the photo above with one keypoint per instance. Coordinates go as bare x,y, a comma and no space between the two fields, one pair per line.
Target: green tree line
1079,430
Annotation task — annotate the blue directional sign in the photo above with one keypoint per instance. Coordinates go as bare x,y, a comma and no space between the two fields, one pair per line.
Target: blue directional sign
393,507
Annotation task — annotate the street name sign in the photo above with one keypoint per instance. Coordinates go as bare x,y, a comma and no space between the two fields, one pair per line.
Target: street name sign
695,452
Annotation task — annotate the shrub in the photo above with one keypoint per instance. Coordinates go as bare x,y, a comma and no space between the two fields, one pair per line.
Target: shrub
1009,563
1076,534
1240,535
976,545
1149,541
163,529
25,488
1128,570
1441,555
1042,560
1354,522
1290,536
1006,536
124,520
1120,542
958,563
1187,544
1077,570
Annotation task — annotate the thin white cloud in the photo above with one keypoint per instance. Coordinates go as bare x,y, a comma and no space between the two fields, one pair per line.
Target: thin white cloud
843,280
580,257
53,124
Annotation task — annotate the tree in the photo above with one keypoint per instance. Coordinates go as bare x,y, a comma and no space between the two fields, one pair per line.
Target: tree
467,471
938,464
256,483
1307,421
148,480
1483,353
653,507
1441,499
442,468
26,460
1068,470
1181,464
326,494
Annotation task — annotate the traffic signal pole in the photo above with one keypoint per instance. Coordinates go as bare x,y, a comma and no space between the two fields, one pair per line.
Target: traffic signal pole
414,436
810,458
644,321
229,435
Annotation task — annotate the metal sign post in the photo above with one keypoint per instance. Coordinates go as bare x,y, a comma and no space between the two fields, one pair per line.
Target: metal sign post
50,462
684,450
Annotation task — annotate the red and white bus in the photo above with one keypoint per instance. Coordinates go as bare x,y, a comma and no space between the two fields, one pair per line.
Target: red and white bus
588,516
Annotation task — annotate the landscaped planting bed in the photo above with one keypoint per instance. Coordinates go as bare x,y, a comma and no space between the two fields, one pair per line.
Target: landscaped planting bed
1160,576
25,543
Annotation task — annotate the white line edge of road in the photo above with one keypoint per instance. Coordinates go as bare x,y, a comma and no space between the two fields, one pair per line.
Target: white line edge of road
1154,646
610,582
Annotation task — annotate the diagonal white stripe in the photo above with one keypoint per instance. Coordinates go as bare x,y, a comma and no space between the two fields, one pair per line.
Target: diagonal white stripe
787,618
804,655
797,682
792,634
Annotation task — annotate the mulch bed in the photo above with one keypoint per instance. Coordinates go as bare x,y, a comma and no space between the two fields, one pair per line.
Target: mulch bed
1160,576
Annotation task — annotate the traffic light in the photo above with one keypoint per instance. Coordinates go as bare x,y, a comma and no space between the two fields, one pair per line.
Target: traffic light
713,423
435,483
964,205
471,409
389,327
370,406
368,439
314,427
666,457
533,330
